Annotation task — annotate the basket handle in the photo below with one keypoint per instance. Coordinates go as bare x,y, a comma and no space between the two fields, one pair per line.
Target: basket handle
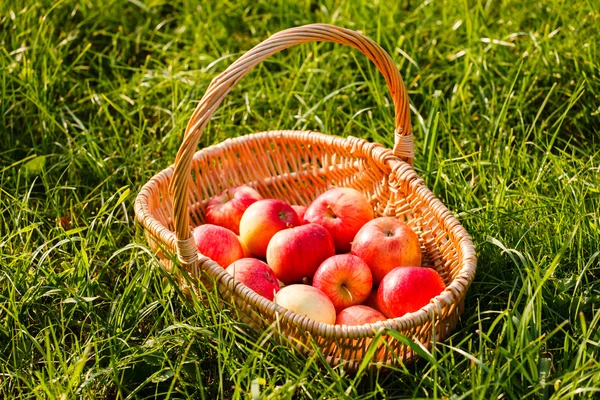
223,83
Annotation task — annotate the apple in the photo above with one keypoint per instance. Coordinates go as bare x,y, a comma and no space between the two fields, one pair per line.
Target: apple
345,278
386,243
262,220
255,274
359,315
407,289
307,301
218,243
227,209
342,211
247,253
295,254
371,300
300,210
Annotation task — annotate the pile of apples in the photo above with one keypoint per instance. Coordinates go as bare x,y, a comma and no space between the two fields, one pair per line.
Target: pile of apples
331,261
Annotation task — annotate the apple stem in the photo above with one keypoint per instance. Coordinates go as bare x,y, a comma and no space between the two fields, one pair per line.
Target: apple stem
331,211
348,291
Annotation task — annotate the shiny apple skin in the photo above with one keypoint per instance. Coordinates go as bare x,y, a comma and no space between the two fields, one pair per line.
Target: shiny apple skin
307,301
407,289
386,243
218,243
226,209
345,278
255,274
262,220
296,253
359,315
342,211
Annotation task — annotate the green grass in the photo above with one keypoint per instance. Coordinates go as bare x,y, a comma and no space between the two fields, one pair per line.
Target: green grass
94,99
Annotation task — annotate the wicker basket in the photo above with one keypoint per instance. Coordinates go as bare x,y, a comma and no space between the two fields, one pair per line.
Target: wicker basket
297,166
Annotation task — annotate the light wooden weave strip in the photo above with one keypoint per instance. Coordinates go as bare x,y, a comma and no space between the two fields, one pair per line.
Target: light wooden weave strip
297,166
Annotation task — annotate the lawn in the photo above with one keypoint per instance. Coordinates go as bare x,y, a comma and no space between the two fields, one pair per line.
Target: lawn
94,99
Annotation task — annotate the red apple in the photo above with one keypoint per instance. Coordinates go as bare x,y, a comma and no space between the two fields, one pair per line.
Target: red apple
359,315
407,289
307,301
218,243
345,278
371,300
295,254
343,211
300,210
256,275
386,243
262,220
227,209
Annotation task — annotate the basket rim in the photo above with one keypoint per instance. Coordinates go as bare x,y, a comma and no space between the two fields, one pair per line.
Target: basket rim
450,297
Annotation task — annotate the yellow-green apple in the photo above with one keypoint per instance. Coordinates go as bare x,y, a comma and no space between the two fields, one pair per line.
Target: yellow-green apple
407,289
307,301
255,274
295,254
227,209
262,220
386,243
345,278
218,243
343,211
300,210
359,315
247,253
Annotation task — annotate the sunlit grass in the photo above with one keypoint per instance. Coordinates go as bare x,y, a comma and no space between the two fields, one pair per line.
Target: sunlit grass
94,98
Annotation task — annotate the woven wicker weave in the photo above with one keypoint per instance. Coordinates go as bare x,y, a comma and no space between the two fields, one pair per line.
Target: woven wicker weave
297,166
